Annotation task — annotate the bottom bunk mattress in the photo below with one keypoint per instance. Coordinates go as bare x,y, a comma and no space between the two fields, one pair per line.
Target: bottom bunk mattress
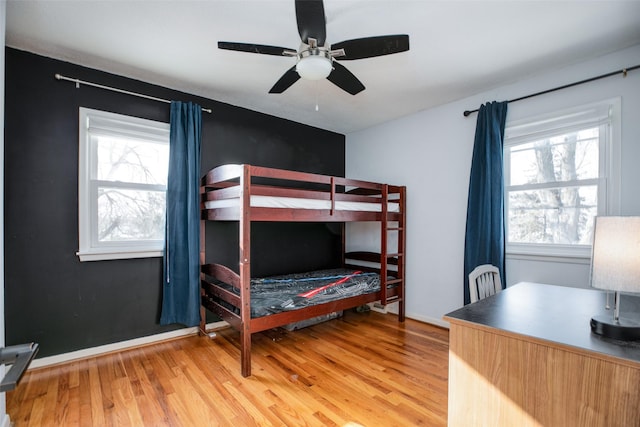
275,294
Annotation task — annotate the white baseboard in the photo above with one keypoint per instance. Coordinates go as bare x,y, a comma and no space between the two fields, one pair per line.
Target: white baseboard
393,309
427,319
118,346
384,309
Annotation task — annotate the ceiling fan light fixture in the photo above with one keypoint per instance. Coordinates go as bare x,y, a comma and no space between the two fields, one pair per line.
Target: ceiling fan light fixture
314,65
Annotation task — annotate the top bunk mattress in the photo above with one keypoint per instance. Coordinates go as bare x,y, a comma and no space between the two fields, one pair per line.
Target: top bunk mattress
300,203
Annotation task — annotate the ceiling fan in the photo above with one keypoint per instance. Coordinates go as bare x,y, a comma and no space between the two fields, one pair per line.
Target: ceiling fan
316,60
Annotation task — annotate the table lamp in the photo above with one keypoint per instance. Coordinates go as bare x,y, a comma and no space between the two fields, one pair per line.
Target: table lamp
615,266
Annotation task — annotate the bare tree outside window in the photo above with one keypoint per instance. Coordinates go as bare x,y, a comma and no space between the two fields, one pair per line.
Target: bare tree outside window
552,189
131,180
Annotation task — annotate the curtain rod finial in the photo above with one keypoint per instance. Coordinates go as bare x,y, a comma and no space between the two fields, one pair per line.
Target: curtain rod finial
57,76
466,113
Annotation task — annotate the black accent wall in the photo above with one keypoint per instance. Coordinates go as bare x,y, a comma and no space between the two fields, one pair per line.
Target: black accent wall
65,305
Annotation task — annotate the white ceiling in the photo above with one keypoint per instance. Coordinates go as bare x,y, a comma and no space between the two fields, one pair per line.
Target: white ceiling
458,48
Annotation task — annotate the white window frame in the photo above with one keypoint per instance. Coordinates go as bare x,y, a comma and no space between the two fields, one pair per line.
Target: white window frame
605,114
93,122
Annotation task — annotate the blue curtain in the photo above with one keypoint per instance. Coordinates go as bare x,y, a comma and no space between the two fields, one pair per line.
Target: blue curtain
181,287
484,239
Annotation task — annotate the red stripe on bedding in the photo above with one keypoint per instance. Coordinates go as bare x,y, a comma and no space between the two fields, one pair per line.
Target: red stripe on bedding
314,292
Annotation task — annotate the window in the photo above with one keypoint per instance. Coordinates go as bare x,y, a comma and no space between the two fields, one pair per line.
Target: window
122,184
560,172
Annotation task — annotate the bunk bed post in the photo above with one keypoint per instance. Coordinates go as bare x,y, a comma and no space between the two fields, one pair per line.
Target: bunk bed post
343,236
343,231
333,195
245,271
384,223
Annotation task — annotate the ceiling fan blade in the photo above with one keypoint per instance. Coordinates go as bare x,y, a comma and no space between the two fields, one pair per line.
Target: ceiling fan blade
344,79
287,79
311,21
256,48
369,47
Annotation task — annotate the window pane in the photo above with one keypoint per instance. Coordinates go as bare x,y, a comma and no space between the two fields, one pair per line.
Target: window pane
566,157
130,160
561,216
130,215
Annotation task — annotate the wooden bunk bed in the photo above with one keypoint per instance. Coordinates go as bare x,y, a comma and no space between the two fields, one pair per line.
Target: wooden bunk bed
245,194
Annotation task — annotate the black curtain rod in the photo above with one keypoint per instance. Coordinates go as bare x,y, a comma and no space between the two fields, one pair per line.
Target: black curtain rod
624,71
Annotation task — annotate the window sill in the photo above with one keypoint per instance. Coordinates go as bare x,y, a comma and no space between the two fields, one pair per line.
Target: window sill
110,255
565,258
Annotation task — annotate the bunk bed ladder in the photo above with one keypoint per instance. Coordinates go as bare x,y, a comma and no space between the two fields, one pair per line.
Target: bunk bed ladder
395,258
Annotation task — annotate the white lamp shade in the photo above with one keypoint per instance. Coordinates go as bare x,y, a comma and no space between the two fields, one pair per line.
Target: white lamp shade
615,261
314,67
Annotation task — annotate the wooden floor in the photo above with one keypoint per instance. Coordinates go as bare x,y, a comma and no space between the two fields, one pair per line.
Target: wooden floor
364,369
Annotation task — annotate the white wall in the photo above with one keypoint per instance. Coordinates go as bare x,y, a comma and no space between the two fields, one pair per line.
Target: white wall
4,419
430,153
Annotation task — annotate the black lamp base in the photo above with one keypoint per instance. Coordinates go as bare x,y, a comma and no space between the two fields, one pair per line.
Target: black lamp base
624,329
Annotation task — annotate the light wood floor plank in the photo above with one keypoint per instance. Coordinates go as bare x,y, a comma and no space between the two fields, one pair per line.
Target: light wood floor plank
365,369
95,390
